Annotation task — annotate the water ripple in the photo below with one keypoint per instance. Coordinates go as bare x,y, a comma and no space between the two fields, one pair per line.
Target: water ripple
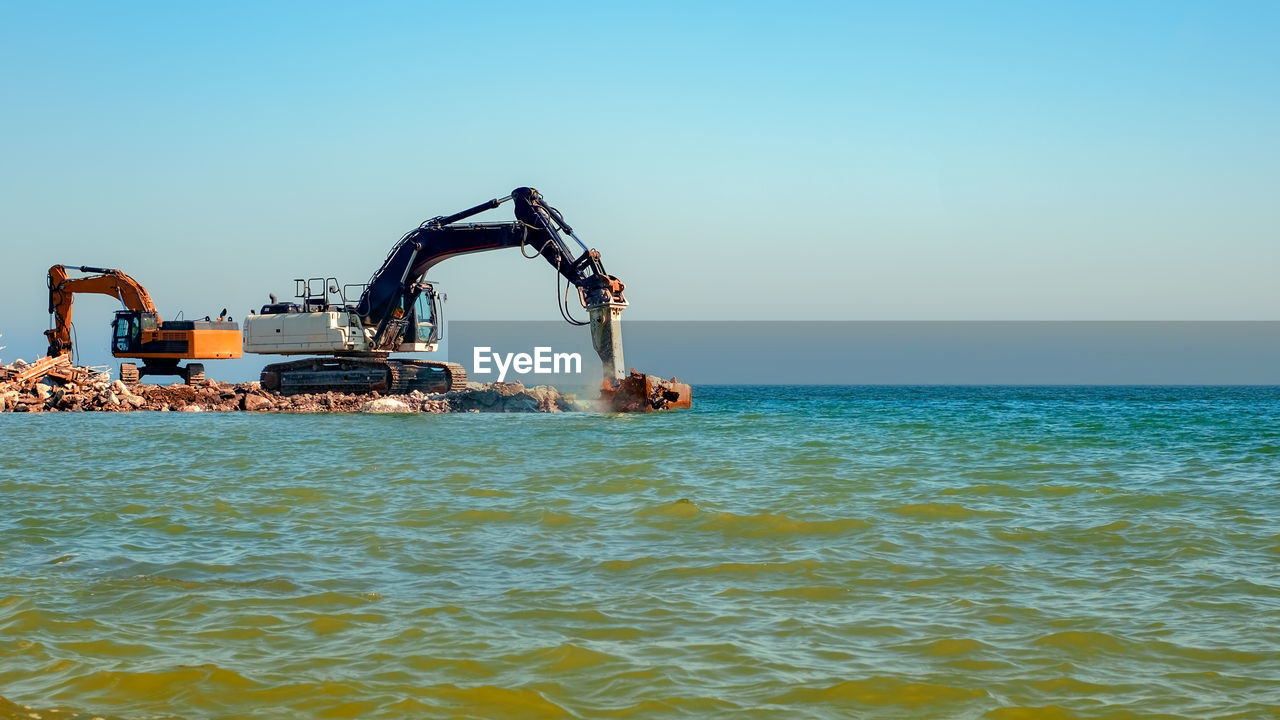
799,552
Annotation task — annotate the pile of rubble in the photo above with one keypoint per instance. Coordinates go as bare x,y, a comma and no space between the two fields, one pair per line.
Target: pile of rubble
59,387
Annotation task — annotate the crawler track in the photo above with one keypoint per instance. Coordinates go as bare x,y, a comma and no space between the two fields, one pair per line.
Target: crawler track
362,376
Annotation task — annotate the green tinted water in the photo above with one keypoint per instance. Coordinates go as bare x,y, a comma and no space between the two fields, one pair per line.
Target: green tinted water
783,552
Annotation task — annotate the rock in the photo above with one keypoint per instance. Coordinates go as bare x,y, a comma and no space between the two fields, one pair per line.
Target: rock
547,398
112,399
119,388
509,388
521,402
43,391
482,398
251,403
508,397
192,408
134,401
386,405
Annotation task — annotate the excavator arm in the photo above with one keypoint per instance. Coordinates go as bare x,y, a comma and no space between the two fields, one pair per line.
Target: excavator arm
538,225
63,288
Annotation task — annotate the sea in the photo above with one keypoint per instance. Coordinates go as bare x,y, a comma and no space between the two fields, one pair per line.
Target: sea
775,552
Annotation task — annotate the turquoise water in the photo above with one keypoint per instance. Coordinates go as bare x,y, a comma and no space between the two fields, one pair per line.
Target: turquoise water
776,552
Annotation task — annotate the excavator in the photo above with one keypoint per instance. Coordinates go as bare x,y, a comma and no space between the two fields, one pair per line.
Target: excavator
398,311
138,332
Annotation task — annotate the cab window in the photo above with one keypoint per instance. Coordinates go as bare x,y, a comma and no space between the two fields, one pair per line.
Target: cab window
126,332
424,313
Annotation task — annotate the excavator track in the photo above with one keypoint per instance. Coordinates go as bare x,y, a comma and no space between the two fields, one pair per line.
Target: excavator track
428,376
362,376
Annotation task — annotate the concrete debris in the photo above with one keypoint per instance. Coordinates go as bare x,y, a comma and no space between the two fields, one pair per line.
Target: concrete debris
386,405
83,390
511,397
58,368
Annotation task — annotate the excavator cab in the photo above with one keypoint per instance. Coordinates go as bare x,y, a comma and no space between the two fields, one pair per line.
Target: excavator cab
423,318
415,321
126,331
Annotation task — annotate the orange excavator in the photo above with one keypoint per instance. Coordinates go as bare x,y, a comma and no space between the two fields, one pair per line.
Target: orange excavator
137,332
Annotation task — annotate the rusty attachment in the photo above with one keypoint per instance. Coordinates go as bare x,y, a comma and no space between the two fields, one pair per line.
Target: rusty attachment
639,392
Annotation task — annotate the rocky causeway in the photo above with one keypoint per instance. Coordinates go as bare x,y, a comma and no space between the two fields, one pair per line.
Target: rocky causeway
97,392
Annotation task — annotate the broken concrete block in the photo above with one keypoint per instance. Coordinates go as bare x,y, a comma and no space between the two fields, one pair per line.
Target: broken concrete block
386,405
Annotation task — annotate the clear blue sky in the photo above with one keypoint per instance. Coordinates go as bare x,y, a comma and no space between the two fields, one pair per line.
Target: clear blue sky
731,160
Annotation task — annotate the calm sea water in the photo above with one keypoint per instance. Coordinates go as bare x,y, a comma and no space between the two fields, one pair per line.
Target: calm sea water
792,552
